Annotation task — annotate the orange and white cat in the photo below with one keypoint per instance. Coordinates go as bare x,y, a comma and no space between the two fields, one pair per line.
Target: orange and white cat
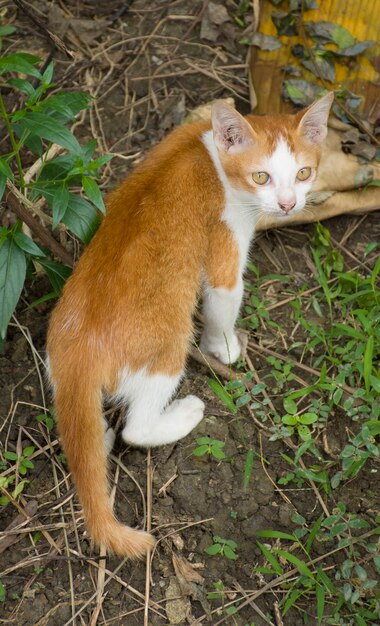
177,228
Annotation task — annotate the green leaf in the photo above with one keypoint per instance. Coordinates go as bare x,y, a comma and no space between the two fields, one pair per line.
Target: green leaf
214,549
23,85
308,418
289,420
7,29
93,193
229,553
57,273
48,74
300,565
217,453
3,592
304,433
201,450
20,62
81,218
276,534
204,440
45,127
290,406
10,456
27,244
271,559
5,169
313,533
222,394
59,204
3,184
320,593
12,277
20,488
368,355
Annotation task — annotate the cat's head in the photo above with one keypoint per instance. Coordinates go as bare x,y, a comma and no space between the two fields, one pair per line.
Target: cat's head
274,157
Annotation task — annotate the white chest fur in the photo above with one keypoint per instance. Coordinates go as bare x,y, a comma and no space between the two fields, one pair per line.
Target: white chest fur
239,212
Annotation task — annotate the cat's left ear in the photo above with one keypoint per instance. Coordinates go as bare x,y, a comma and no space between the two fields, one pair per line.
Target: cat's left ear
313,123
232,133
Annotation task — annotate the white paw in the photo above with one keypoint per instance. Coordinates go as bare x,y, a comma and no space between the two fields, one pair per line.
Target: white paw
109,438
226,351
193,409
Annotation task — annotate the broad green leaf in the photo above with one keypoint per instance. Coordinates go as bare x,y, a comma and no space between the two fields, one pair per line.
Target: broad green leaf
290,406
229,553
20,62
27,244
47,128
59,204
214,549
5,169
3,592
12,277
289,420
7,29
304,433
342,37
93,193
10,456
23,85
218,453
204,440
20,488
57,273
81,218
48,74
271,559
201,450
222,394
308,418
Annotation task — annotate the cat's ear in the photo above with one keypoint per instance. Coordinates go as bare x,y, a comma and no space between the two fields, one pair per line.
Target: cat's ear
313,123
231,131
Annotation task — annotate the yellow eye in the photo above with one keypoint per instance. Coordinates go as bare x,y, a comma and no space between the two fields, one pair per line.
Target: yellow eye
260,178
304,173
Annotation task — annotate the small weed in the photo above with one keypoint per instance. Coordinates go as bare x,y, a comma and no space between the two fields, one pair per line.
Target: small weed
210,447
23,461
224,547
46,419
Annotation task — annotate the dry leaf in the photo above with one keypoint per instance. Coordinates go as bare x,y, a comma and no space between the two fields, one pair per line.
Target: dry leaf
185,571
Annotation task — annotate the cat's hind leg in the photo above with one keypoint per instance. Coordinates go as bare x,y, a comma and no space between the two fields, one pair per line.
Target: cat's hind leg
151,420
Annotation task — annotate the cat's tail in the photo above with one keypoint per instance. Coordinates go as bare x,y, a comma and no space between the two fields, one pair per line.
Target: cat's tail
78,404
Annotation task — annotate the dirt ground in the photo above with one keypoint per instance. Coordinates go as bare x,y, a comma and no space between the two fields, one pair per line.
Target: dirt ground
148,66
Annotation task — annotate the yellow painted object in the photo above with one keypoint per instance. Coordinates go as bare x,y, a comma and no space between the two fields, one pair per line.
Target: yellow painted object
358,74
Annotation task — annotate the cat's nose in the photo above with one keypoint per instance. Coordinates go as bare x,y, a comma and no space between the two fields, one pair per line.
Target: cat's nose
286,206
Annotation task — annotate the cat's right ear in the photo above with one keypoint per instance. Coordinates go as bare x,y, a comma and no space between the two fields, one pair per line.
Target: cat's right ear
231,131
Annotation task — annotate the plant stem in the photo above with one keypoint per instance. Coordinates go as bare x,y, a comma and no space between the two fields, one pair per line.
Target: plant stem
15,147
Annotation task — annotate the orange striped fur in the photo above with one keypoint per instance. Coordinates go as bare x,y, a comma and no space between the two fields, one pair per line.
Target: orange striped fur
177,227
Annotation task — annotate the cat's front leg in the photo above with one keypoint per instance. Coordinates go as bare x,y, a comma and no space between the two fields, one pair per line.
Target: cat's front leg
220,310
